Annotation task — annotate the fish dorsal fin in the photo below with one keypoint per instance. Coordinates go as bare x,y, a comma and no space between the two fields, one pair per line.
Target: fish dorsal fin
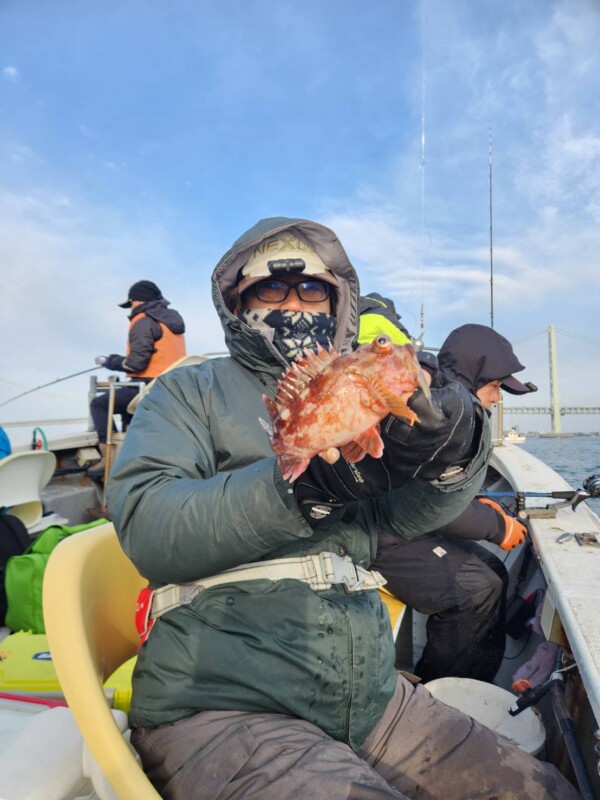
395,404
296,378
271,407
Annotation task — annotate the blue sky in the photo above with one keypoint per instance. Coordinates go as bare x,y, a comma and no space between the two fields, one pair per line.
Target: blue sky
139,139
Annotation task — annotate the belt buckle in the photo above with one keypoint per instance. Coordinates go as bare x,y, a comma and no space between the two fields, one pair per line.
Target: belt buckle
339,569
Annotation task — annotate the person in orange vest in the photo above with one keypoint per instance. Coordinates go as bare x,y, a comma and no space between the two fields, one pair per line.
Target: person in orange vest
155,341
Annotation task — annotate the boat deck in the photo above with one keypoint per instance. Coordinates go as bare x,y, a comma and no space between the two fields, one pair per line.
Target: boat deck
571,569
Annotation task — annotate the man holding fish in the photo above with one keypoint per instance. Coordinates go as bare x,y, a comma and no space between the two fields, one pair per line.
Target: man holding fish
267,668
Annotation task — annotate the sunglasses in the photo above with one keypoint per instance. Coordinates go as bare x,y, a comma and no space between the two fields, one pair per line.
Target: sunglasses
273,291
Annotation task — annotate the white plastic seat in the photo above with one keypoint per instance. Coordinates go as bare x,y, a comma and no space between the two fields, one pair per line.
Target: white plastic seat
184,361
22,478
90,593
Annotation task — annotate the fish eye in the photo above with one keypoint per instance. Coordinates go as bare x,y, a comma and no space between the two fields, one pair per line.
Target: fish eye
382,340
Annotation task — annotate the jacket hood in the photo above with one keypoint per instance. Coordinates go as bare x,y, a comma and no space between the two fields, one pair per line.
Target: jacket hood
158,310
476,355
253,348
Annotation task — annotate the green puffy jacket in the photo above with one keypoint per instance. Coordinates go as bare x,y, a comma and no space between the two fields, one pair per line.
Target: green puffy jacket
196,490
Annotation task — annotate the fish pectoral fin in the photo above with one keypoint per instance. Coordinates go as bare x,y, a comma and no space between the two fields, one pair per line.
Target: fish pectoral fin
396,404
398,408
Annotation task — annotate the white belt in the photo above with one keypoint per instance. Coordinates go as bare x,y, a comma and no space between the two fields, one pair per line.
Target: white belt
320,572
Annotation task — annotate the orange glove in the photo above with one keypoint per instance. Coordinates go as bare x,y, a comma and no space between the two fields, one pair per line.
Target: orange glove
514,531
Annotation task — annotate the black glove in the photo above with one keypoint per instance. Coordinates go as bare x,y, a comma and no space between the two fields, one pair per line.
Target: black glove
114,361
324,488
443,437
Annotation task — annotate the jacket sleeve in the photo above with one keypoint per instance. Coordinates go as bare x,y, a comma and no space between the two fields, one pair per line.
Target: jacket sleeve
179,518
477,522
142,337
444,434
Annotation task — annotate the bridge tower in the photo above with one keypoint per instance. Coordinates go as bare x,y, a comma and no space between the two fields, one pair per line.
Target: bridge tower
554,380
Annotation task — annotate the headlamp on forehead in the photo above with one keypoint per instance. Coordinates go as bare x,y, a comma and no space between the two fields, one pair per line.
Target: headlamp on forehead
287,266
282,255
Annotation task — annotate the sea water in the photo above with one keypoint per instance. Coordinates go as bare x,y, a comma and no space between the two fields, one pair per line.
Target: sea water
574,458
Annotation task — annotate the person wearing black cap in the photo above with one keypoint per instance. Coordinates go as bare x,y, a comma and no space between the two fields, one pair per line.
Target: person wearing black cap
155,341
445,574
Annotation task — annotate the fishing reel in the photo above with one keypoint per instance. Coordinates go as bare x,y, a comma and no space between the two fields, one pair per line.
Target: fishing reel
568,498
591,485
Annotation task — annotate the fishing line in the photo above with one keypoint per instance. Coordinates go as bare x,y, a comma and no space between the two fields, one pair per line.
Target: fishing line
491,241
424,222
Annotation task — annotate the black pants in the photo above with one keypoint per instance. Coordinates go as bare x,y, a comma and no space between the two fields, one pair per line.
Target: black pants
99,410
462,586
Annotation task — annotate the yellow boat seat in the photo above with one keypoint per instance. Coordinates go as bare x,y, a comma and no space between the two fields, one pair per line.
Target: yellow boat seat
22,478
185,361
90,592
396,609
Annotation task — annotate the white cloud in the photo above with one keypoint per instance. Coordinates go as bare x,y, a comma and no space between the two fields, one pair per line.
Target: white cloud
11,74
70,264
20,153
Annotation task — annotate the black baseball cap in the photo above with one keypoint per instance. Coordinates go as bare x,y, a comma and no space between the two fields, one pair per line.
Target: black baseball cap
476,355
143,291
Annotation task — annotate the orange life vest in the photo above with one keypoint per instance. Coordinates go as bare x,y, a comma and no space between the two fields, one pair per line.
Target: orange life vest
168,349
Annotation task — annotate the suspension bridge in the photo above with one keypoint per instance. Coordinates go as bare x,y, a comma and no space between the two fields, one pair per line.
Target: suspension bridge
555,410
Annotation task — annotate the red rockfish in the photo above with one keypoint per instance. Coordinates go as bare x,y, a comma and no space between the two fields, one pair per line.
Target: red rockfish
328,404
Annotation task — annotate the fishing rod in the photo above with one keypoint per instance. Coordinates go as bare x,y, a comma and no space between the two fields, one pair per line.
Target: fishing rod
44,385
570,497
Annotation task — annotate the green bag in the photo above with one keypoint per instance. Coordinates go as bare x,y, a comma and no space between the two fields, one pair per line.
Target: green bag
25,577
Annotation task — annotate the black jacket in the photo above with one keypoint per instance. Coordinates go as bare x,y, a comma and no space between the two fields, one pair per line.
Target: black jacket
475,355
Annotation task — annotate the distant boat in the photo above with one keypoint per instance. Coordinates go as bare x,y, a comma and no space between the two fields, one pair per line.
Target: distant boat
512,436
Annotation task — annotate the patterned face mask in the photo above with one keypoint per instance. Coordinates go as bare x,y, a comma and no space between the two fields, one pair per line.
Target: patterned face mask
295,331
